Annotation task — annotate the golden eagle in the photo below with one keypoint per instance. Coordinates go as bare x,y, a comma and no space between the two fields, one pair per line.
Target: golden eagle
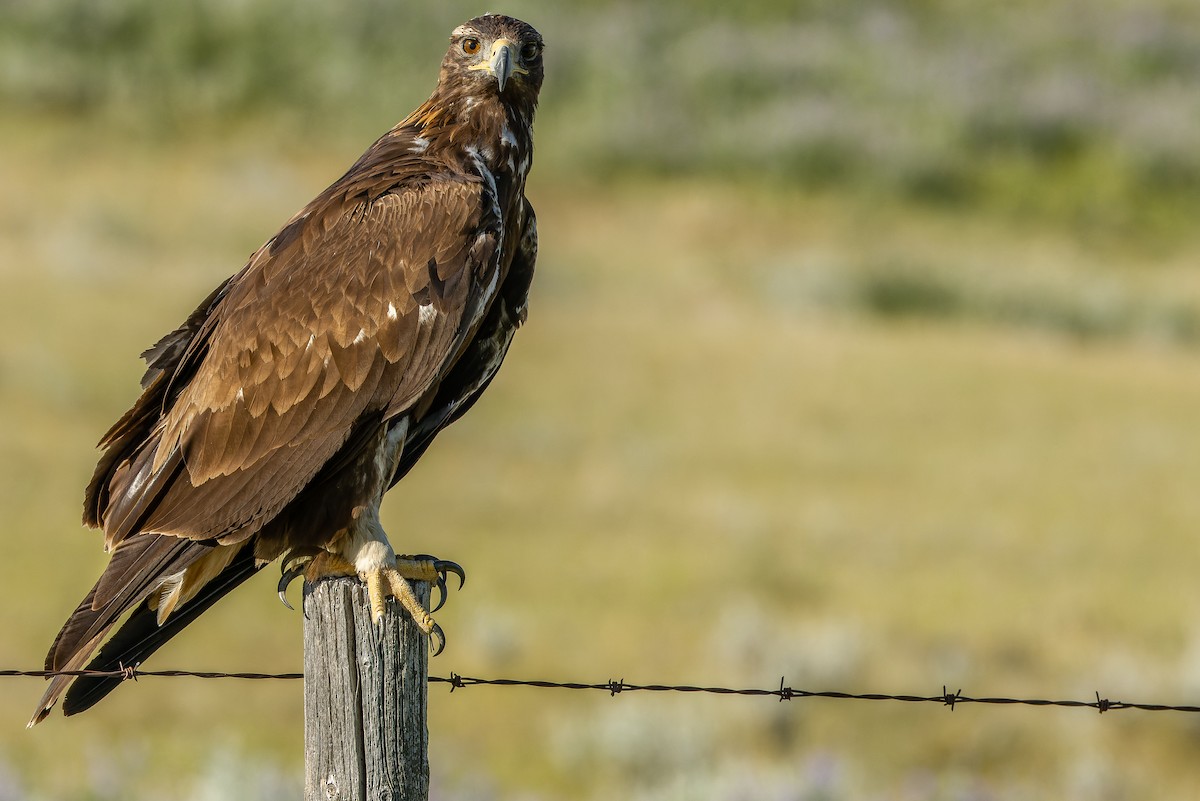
276,417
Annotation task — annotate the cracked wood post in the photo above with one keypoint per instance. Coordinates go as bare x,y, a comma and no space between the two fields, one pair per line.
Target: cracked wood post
365,690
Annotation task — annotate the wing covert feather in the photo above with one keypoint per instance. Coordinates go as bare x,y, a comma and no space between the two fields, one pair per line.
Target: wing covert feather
361,311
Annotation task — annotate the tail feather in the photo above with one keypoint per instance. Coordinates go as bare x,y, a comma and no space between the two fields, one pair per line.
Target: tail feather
159,556
134,571
141,636
74,630
141,562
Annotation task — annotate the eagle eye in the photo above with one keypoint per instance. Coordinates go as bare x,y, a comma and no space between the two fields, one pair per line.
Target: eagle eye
470,46
530,51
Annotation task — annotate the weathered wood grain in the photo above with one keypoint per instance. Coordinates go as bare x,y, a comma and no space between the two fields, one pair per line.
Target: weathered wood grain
365,734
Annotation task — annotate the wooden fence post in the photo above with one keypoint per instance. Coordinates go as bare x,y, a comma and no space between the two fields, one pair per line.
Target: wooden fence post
365,690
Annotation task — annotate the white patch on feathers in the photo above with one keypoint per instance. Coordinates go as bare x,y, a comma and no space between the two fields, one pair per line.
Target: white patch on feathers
161,599
490,181
507,137
181,587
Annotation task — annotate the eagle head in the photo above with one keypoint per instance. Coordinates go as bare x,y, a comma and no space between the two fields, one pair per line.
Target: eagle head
495,54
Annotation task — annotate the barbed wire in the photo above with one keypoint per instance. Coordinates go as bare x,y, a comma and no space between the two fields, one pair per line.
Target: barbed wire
615,687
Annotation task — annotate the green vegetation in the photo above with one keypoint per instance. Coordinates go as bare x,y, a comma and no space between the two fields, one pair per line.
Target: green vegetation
863,351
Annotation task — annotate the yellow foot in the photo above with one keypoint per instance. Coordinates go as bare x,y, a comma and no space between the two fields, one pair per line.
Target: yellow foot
381,582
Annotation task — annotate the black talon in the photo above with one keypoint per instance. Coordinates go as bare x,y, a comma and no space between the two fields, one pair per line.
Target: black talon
290,574
443,567
441,586
437,639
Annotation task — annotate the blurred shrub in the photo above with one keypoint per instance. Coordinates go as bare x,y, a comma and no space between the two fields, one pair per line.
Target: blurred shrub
172,64
1084,111
908,293
1084,312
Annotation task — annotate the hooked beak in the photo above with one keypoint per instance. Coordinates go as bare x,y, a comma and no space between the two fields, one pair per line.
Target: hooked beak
501,63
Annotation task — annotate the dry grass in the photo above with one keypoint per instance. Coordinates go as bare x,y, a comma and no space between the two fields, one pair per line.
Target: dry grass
706,461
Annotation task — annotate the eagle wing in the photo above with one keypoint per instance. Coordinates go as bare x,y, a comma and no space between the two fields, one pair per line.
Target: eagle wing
358,306
478,364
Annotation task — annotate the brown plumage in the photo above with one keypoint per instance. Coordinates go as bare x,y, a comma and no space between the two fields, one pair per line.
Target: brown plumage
304,386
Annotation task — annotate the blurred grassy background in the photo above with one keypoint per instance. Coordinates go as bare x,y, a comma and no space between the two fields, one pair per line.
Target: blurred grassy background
863,351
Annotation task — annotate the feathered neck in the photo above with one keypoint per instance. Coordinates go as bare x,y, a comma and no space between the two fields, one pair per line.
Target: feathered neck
498,127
